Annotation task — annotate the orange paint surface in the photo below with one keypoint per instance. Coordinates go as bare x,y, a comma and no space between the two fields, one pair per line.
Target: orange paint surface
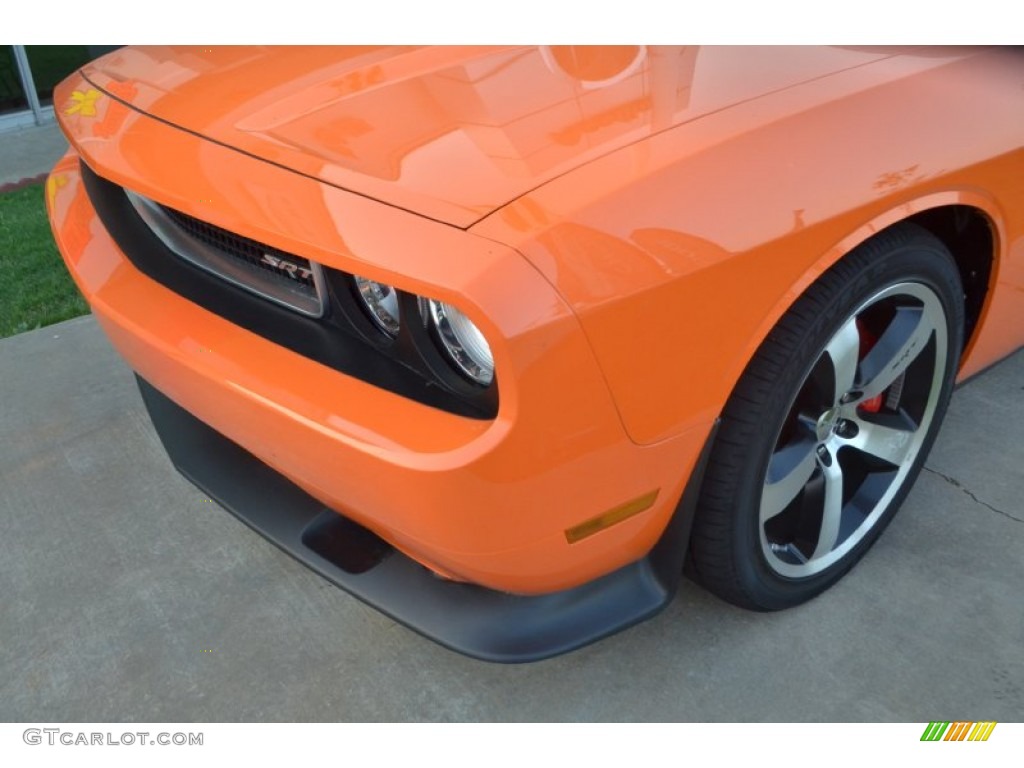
625,226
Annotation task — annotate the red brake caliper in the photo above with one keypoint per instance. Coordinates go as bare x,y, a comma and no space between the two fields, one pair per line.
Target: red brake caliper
867,341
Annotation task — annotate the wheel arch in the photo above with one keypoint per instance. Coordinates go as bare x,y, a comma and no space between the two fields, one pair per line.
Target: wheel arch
968,224
970,235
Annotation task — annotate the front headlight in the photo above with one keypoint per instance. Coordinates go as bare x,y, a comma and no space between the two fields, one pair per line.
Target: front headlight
381,302
463,342
459,346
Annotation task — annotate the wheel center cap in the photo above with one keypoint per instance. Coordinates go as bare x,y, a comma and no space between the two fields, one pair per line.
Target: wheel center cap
827,423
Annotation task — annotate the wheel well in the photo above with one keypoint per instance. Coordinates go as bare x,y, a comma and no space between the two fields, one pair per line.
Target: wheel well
968,234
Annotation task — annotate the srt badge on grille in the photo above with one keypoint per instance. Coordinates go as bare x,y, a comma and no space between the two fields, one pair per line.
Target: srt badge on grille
292,269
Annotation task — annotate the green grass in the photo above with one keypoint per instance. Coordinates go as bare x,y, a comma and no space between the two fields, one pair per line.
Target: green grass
35,288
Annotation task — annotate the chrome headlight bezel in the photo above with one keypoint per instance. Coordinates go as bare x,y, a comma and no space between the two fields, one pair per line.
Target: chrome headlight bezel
463,342
380,301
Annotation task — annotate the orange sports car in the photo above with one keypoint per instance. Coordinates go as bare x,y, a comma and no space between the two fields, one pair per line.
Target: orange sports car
498,339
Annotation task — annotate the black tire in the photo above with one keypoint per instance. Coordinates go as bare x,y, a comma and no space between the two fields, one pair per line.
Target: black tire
809,466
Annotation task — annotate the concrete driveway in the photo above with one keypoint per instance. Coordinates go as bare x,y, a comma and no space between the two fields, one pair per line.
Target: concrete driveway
124,596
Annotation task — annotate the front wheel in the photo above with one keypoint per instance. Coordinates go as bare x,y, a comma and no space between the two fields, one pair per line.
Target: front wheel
830,423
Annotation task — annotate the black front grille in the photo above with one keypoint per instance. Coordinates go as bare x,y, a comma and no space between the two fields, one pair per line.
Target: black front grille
284,278
251,252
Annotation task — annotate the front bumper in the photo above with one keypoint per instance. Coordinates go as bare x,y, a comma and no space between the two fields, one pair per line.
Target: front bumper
488,502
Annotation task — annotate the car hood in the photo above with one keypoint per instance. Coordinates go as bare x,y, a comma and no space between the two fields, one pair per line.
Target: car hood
451,133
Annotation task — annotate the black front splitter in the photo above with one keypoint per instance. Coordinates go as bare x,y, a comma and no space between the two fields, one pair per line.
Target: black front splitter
479,622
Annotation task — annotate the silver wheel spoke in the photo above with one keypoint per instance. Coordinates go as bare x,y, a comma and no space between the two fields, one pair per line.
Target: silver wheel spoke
793,466
885,443
898,347
814,508
844,351
832,511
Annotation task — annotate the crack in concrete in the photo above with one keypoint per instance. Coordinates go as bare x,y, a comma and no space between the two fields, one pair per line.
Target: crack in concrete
957,484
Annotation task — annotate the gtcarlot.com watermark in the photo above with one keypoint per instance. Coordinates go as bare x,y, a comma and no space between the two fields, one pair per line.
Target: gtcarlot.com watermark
55,736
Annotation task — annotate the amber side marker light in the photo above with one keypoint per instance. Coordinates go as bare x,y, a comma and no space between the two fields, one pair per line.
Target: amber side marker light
611,517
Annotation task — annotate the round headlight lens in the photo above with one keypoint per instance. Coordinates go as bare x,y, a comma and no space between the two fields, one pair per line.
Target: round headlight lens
463,341
381,301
